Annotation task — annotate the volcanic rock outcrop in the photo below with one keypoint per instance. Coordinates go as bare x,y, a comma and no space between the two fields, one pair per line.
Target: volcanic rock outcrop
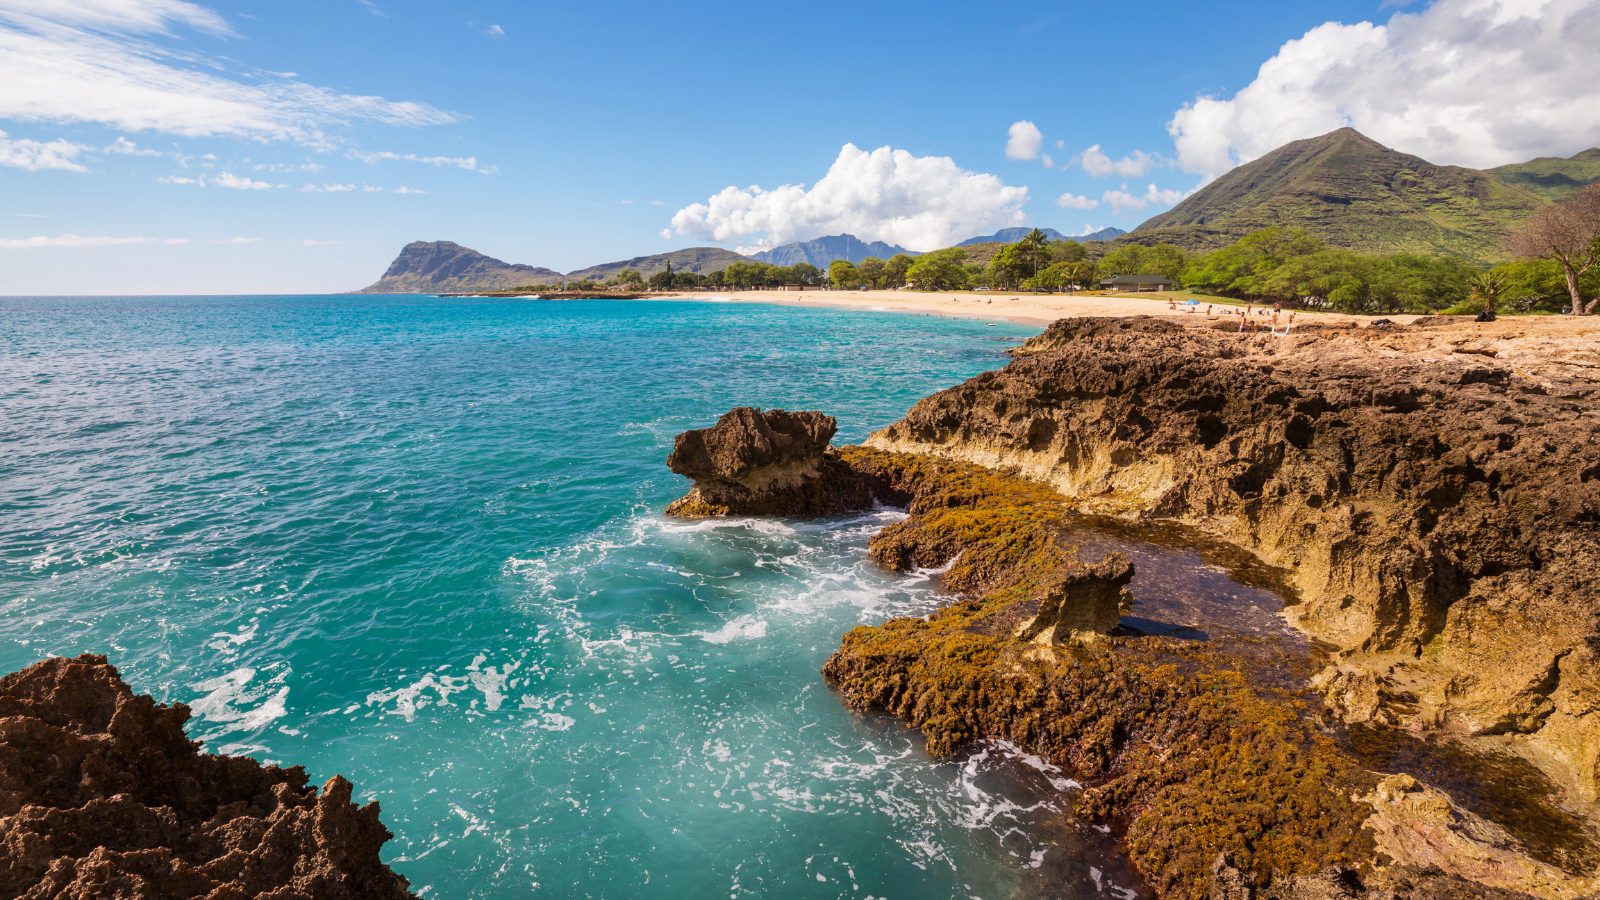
102,795
1432,491
773,463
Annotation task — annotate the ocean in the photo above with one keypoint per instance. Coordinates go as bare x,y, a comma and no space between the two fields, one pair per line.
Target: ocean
418,542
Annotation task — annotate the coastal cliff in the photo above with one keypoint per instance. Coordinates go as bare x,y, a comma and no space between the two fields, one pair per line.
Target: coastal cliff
102,795
1431,491
1430,494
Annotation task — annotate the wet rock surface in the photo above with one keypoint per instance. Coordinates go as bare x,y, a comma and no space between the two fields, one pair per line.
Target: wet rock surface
772,463
1433,493
102,795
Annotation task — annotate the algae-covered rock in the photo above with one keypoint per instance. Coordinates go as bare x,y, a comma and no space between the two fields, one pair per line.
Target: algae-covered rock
1439,517
772,463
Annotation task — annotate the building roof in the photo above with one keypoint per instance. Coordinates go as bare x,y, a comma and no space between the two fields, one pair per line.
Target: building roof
1136,279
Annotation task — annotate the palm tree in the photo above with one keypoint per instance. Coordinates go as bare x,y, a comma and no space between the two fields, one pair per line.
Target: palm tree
1488,287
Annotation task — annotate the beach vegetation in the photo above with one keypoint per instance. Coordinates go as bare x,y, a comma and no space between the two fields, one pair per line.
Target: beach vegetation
1567,234
941,270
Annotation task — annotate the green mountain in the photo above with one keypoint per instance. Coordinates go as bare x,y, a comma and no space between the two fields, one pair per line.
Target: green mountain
1352,192
1552,177
694,259
437,267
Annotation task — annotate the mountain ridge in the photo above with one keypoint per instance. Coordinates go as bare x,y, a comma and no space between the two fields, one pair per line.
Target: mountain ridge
1012,235
821,251
1553,177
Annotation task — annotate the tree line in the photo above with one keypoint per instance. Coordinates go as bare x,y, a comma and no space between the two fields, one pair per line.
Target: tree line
1556,269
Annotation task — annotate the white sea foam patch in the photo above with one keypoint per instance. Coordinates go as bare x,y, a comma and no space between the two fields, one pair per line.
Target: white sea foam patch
762,526
238,704
741,628
426,691
228,642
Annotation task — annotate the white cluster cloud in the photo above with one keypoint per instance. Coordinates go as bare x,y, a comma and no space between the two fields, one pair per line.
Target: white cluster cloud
95,61
1070,200
1024,141
1122,200
1464,82
1097,164
917,202
36,156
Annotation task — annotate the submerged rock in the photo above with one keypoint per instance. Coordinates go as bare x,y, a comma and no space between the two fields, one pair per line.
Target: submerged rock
772,463
102,795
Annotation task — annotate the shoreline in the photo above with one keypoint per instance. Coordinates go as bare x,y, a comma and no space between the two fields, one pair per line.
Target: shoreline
1019,308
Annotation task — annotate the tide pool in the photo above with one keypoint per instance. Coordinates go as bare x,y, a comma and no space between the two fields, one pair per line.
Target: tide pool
417,542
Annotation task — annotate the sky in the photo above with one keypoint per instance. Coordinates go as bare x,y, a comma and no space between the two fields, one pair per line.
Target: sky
170,146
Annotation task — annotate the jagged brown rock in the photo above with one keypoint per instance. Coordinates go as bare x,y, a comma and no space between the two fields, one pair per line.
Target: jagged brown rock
102,795
1433,492
773,463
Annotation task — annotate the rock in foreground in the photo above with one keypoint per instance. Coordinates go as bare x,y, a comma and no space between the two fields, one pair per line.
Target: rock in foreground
102,795
1432,491
773,463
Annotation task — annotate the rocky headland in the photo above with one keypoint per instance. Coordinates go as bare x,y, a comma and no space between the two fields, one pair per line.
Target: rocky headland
102,795
1430,494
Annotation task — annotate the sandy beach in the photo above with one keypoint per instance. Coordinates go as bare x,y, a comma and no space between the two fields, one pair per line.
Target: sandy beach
1032,309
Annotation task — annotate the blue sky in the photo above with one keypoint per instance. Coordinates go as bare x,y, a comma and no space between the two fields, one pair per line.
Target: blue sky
169,146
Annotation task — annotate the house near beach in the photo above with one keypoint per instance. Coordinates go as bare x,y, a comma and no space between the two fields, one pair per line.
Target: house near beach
1136,283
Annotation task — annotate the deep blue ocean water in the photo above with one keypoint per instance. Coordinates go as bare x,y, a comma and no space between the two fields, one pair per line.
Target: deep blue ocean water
417,541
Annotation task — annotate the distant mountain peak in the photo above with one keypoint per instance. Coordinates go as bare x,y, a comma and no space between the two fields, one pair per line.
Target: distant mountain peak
1012,235
1350,191
430,267
822,251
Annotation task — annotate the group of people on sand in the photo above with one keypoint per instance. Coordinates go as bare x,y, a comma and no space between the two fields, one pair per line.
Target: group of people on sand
1250,317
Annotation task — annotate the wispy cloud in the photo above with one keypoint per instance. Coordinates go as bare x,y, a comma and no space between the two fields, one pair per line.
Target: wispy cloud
373,8
241,182
349,188
222,180
102,61
469,163
79,241
495,31
70,240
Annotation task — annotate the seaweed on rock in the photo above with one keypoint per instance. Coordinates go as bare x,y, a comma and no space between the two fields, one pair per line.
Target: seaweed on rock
1175,743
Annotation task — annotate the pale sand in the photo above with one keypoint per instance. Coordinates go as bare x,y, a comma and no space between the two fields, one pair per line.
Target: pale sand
1000,306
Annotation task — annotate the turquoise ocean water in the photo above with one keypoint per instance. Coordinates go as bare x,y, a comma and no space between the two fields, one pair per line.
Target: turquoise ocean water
417,542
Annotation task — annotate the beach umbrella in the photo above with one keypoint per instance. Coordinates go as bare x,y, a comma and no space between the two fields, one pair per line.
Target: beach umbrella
1191,302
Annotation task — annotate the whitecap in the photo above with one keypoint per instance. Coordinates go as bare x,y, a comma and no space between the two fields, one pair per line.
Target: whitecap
741,628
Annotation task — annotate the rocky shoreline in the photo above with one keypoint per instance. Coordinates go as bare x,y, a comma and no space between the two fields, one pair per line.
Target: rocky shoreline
102,795
1431,493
